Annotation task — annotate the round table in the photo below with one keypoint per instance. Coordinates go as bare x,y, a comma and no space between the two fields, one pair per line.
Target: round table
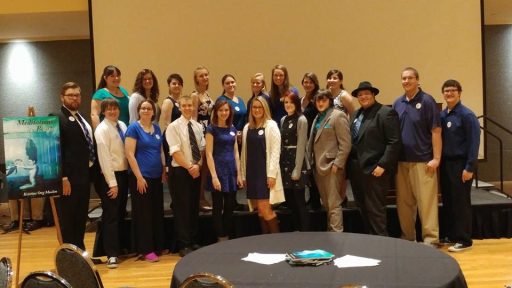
403,263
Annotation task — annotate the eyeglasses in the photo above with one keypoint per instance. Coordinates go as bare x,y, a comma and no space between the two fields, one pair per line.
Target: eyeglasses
73,95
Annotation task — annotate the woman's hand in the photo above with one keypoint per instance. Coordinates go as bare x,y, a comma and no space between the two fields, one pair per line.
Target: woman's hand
240,182
141,185
271,182
216,184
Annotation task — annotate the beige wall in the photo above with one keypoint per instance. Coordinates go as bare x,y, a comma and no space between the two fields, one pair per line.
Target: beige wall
38,6
367,39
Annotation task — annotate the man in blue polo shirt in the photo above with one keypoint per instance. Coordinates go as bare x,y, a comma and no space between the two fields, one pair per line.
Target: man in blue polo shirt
416,181
461,140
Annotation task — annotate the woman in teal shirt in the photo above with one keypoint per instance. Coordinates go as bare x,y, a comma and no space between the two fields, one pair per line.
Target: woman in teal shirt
109,88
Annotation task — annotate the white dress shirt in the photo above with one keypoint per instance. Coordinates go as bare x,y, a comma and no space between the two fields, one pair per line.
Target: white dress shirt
110,149
177,138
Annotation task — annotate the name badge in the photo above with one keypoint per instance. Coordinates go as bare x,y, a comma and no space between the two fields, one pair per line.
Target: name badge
290,126
418,106
237,109
71,118
449,124
157,137
232,133
260,132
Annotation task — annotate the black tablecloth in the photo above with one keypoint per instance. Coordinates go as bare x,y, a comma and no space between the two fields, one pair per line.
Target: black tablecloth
404,263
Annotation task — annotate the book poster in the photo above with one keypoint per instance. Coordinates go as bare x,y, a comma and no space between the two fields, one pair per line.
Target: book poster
32,156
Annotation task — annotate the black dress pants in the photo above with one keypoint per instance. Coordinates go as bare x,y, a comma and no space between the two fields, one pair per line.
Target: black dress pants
114,212
73,214
370,196
185,192
456,201
148,215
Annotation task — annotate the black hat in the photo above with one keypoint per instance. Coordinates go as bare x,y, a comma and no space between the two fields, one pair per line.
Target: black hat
365,85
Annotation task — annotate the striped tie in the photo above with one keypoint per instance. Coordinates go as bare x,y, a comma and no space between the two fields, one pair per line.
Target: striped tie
196,155
357,125
90,143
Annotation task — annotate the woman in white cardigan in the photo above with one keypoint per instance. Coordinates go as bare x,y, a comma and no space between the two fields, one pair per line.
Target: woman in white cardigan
261,147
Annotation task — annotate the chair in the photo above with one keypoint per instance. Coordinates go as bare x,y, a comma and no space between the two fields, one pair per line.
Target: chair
5,273
76,267
205,279
44,279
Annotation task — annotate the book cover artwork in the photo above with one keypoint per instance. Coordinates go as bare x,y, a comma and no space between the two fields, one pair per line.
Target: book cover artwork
32,156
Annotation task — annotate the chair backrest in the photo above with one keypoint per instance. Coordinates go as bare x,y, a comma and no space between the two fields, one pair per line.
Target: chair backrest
5,273
205,279
44,279
74,265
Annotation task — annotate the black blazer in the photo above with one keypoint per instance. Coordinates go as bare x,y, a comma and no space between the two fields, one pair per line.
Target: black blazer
378,142
74,149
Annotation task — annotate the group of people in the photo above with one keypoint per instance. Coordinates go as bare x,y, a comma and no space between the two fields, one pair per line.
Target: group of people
274,147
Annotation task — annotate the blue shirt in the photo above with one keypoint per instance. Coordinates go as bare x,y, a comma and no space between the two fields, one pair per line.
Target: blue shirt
461,135
147,151
417,119
239,111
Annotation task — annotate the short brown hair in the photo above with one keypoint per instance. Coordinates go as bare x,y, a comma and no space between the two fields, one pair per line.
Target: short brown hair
107,103
68,85
413,70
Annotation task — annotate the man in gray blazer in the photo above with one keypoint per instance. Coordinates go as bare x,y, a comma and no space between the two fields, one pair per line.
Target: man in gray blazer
328,149
374,157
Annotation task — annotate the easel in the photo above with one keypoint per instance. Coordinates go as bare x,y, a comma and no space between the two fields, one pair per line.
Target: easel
31,113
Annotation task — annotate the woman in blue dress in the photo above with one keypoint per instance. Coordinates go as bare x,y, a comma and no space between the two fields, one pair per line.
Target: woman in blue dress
224,167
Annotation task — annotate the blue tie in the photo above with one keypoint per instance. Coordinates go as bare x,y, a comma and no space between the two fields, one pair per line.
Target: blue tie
121,134
90,143
357,125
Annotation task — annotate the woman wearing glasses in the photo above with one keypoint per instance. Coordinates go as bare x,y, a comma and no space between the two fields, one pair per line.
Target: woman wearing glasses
143,147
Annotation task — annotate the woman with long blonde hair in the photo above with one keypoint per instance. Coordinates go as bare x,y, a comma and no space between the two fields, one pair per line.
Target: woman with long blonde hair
261,147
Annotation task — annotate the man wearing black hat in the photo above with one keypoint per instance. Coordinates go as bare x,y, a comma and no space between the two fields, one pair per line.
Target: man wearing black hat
374,156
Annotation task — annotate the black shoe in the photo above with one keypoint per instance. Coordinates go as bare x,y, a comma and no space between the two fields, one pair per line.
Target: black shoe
185,251
14,225
32,225
314,205
446,241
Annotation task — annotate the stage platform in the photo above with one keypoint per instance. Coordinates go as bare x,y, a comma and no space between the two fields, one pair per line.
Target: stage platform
492,218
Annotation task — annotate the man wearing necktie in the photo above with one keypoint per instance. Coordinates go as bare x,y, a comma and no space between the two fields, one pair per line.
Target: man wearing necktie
79,166
186,146
374,156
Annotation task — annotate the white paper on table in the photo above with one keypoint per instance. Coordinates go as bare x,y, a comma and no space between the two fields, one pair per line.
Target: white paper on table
266,259
348,261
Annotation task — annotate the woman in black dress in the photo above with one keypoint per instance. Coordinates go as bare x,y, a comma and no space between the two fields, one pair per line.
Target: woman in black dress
294,129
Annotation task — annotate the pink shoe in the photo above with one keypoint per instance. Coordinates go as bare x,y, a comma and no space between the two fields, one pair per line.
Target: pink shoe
151,257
